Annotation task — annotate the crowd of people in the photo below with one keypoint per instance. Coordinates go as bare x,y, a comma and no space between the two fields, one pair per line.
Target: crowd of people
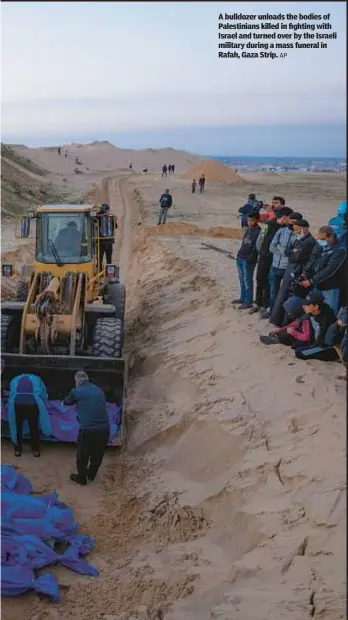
301,278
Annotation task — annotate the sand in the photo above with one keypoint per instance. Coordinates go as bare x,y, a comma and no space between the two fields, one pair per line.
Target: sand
230,498
214,171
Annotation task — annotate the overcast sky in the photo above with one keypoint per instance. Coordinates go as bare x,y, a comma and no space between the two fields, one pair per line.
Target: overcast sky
77,69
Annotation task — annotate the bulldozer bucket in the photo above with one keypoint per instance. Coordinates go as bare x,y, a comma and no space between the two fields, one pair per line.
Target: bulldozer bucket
57,373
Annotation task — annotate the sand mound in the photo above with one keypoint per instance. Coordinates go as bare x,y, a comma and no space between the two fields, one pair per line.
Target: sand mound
214,171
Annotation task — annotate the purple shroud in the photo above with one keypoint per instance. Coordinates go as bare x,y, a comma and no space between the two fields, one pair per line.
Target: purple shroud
30,528
64,421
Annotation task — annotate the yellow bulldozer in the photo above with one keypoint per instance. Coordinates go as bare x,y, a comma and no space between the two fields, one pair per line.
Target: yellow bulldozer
68,314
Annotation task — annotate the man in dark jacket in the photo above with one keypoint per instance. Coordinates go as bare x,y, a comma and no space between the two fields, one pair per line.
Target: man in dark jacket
298,253
93,419
106,233
166,202
325,269
246,261
250,205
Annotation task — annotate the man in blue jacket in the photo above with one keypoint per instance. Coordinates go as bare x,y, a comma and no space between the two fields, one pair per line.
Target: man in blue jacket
93,419
249,207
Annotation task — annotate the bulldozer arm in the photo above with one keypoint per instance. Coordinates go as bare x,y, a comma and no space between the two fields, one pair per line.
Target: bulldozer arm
57,373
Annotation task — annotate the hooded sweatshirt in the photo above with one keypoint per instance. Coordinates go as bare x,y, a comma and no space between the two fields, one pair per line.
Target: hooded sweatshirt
282,238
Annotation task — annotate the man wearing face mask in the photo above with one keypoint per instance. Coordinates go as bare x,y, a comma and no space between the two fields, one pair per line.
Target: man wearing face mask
325,269
298,252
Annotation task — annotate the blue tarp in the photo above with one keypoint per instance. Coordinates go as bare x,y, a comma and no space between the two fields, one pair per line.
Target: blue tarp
31,527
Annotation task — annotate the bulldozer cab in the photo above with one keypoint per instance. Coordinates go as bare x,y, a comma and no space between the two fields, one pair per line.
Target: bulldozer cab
69,234
64,238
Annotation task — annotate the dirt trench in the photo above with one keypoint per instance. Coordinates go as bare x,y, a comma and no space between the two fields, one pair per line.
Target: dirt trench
221,503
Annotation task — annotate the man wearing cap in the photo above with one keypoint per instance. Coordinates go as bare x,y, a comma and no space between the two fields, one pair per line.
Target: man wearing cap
299,251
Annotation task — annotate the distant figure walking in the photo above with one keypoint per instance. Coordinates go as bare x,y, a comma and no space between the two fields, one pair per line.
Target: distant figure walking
164,171
201,183
194,185
130,166
173,168
66,154
166,202
59,150
170,169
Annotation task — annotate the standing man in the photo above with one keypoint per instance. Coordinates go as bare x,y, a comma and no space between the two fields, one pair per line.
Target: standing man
93,419
193,186
106,244
201,183
166,202
164,171
246,261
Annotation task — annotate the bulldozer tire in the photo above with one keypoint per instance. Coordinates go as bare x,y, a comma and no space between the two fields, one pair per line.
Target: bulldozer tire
22,290
116,295
9,328
108,337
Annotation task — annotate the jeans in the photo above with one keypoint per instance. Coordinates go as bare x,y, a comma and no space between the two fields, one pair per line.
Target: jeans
245,274
163,215
332,298
275,277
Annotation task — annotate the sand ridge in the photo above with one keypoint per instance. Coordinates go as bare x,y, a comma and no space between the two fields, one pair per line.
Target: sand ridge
214,171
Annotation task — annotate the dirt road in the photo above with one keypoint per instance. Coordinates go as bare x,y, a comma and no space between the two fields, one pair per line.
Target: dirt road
230,500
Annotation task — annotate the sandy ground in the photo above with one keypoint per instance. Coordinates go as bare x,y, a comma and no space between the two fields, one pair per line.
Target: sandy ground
230,499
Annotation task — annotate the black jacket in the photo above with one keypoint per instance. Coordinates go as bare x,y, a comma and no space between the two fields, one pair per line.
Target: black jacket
326,266
272,228
299,253
326,318
166,201
247,250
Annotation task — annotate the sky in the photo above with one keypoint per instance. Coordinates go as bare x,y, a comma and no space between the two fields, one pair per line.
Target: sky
148,75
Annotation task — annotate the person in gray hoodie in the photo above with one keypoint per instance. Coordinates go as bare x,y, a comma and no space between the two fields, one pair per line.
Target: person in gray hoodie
278,246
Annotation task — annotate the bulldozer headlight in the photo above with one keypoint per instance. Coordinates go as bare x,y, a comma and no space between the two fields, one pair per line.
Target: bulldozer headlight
111,271
7,271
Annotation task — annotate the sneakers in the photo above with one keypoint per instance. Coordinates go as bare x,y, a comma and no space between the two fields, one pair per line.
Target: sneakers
265,314
254,309
269,340
245,306
90,477
76,478
237,301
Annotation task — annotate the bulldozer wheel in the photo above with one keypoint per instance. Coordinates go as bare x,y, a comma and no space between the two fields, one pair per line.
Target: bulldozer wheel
116,295
22,289
10,329
108,337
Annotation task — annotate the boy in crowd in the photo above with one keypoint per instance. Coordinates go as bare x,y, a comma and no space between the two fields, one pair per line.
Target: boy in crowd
246,261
